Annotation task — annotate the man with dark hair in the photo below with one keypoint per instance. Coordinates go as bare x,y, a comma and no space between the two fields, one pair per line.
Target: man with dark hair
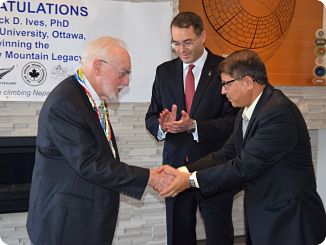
268,154
189,113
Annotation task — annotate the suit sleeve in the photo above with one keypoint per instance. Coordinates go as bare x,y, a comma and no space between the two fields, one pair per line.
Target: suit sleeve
274,136
79,142
155,108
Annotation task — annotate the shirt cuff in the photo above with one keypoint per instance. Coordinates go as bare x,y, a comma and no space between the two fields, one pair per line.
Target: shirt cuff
194,174
160,134
195,135
183,169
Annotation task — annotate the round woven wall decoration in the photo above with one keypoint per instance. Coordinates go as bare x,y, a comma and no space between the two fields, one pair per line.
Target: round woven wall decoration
250,24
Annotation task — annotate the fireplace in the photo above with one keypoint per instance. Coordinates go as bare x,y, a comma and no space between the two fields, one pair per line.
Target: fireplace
17,155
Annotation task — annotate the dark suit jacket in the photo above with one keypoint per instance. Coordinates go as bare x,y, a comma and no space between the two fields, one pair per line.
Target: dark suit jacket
214,114
76,181
274,165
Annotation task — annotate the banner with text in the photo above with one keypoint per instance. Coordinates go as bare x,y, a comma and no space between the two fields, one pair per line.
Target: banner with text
41,43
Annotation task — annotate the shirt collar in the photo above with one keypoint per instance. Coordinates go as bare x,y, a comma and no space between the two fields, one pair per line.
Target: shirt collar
199,63
249,110
91,90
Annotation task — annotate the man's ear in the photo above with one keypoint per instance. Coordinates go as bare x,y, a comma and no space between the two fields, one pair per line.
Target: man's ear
96,65
203,36
249,82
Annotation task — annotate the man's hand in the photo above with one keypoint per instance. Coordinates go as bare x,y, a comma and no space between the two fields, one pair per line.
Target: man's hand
179,183
167,116
159,180
184,124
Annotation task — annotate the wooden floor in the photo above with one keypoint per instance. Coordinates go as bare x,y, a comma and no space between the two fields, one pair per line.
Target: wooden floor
240,240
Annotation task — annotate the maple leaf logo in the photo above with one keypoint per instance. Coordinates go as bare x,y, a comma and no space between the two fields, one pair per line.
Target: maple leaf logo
34,74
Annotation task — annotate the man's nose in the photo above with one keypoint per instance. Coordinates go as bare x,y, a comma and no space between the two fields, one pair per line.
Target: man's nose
125,81
223,91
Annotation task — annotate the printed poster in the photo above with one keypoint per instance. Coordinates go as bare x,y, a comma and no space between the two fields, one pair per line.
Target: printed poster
41,43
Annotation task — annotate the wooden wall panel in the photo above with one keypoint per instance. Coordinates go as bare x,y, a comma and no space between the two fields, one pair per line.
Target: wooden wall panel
290,60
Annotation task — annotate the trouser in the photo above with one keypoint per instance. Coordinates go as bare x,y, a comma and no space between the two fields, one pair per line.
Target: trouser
216,211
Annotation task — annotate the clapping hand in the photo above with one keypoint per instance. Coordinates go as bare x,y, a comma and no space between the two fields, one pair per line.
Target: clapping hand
182,125
167,117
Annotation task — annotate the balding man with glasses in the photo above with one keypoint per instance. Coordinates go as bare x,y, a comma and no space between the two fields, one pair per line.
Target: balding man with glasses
188,113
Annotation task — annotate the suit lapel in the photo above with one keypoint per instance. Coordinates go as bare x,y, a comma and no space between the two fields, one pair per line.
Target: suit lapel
88,106
238,129
114,144
179,86
207,74
267,92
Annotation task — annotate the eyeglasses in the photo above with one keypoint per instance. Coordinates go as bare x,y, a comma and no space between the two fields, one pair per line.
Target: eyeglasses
186,44
227,84
122,72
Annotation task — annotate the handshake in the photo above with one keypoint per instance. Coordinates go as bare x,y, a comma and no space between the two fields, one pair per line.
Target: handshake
168,181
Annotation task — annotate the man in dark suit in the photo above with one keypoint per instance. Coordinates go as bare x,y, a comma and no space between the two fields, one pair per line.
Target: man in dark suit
78,175
268,154
193,128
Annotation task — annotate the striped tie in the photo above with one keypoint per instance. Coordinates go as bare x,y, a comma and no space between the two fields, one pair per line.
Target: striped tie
245,122
101,110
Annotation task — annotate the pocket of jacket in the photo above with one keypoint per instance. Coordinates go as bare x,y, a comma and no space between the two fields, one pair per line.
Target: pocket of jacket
71,201
278,205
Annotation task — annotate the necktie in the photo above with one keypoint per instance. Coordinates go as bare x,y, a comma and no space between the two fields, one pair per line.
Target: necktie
101,112
245,122
189,87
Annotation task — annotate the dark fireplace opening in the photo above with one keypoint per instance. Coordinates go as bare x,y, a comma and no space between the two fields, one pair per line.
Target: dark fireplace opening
17,155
